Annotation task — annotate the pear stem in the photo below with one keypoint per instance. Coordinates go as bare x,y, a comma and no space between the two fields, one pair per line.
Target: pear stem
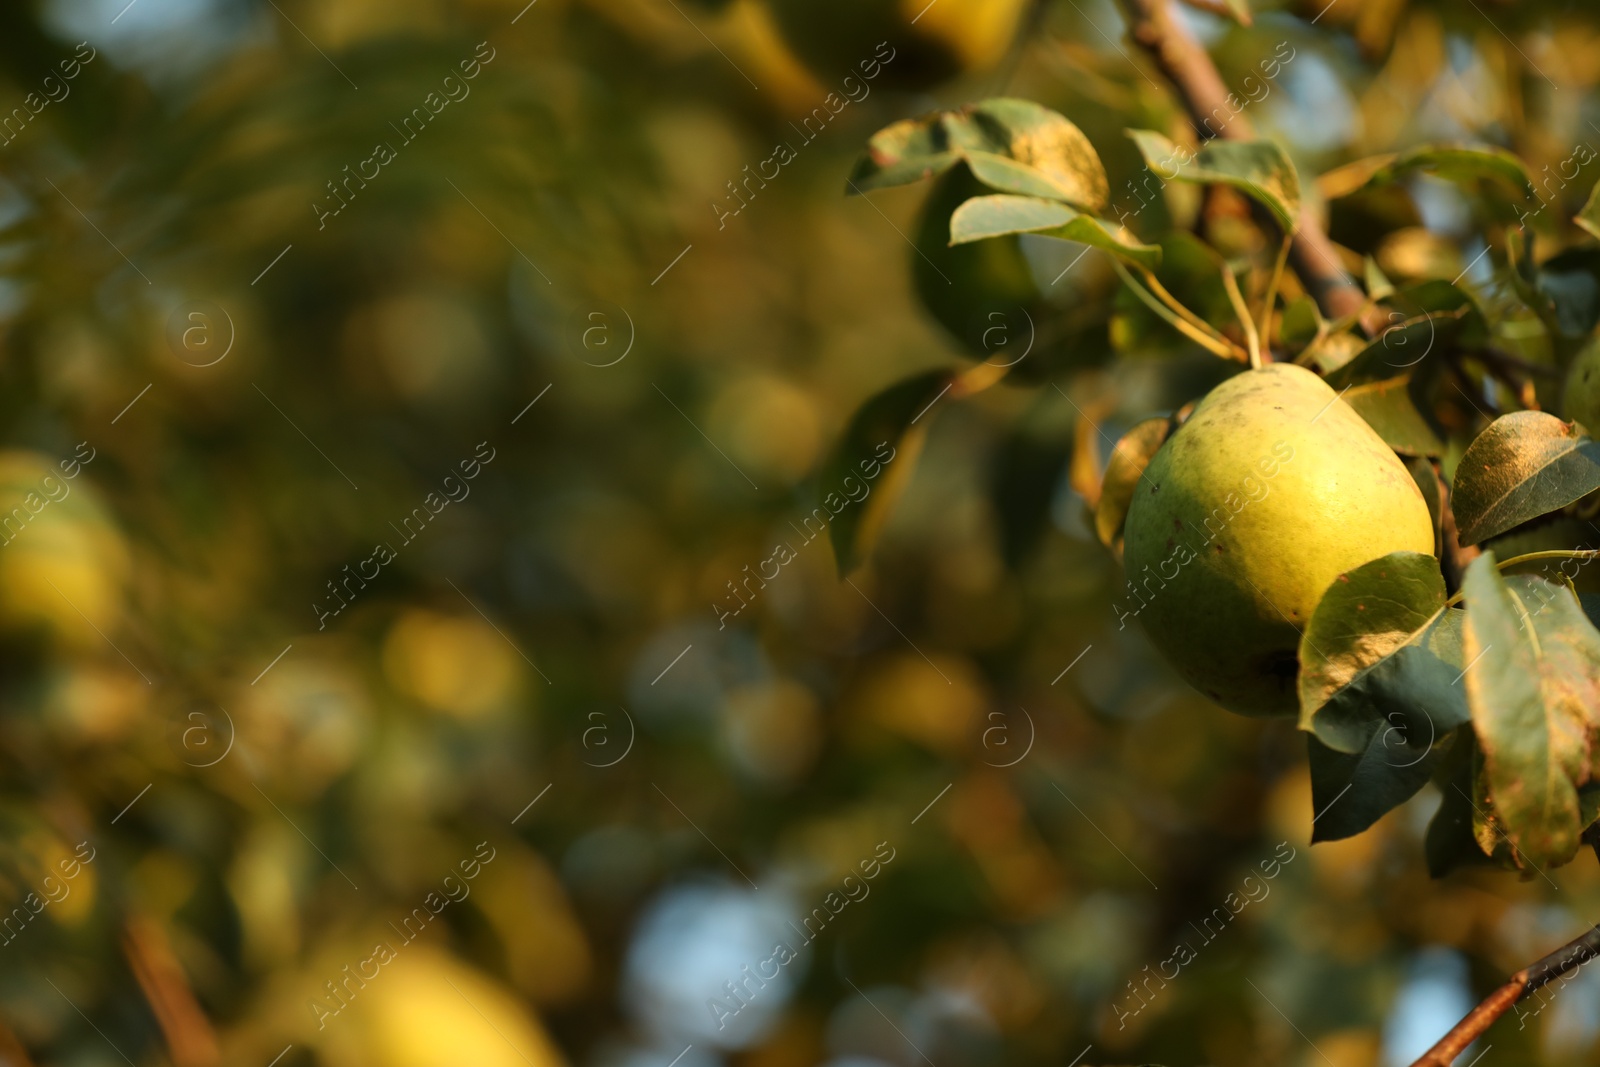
1271,297
1241,311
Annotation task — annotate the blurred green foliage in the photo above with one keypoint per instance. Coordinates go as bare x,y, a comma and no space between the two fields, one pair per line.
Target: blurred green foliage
268,791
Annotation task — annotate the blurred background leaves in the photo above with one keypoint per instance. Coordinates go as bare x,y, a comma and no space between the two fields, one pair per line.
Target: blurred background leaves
267,798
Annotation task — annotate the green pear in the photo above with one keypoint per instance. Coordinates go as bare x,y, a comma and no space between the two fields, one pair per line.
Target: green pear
1271,490
1580,396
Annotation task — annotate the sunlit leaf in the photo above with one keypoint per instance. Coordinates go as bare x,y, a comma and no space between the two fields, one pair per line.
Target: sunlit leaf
1524,465
1260,169
1533,683
1129,458
995,216
1456,163
1381,655
1589,217
1014,146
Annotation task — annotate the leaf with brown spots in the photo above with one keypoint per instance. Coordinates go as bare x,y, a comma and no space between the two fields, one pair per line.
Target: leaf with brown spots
1381,651
1533,682
1014,146
1526,464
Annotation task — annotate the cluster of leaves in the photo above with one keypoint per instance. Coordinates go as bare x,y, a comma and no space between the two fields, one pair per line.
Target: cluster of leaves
1462,666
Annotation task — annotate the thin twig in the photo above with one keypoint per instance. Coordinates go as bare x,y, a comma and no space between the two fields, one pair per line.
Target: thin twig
1242,311
1567,958
1216,346
1271,297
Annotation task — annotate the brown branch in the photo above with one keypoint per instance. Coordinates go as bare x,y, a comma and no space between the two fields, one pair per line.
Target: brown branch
1189,68
1570,956
12,1054
190,1037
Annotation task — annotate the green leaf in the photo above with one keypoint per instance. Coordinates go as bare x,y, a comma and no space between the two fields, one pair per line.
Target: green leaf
1379,287
1589,217
898,419
1351,792
1381,656
1524,465
1015,146
1388,408
1128,461
1259,169
902,153
1455,163
1301,324
983,217
1533,683
1451,842
1028,469
1426,319
1569,284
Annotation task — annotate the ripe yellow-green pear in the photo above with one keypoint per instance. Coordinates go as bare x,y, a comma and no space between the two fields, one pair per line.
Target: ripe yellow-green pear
1271,490
1580,397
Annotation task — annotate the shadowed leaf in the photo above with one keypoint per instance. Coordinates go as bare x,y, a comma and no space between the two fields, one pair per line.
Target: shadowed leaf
1388,408
1350,792
893,421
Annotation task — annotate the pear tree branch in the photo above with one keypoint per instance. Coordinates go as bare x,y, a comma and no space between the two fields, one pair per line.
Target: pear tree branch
1189,68
1569,957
